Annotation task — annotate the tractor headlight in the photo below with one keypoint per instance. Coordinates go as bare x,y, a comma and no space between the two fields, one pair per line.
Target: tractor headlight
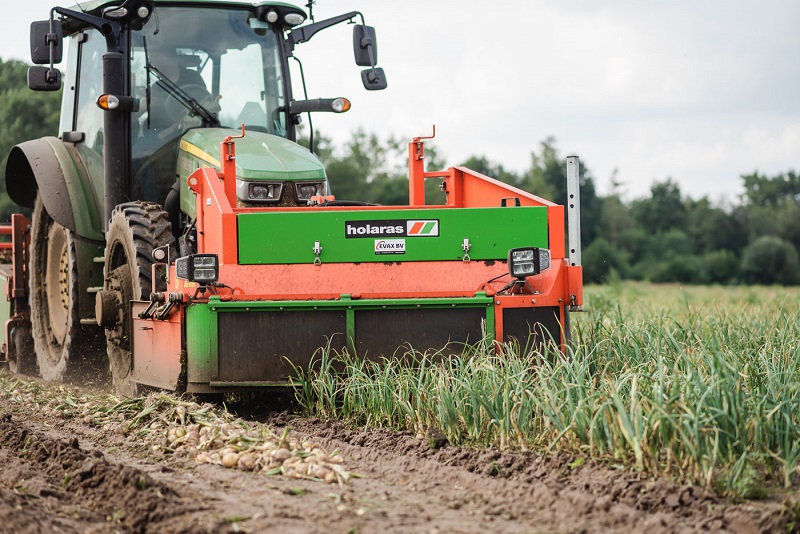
200,268
529,261
306,190
265,192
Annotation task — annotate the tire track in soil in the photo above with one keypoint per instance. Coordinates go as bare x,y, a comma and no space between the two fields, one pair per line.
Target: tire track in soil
51,485
544,492
409,487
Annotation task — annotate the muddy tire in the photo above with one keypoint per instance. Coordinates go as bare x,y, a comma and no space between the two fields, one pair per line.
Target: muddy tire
65,349
136,229
21,355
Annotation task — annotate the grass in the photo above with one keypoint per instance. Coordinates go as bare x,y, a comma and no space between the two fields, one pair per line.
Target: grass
701,384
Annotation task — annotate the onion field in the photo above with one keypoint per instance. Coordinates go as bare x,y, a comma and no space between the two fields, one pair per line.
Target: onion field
699,384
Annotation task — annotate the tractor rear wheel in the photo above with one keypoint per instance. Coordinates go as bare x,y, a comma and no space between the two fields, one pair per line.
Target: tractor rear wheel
65,349
135,230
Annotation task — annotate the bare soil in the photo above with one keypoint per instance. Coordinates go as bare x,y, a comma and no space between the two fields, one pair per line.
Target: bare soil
66,475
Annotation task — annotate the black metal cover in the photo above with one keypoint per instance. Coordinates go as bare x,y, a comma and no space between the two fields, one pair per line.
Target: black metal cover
382,332
255,346
532,327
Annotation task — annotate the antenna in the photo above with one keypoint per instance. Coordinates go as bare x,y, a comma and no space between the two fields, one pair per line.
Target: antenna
310,7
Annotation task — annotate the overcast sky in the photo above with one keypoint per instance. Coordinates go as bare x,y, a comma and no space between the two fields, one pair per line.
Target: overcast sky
700,91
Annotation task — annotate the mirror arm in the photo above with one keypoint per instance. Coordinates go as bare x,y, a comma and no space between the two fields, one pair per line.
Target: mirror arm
51,41
307,106
369,44
305,33
110,29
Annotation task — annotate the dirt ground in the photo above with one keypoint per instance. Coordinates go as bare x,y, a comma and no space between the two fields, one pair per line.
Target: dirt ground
66,475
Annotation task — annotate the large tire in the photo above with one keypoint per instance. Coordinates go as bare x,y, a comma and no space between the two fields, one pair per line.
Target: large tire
135,230
65,349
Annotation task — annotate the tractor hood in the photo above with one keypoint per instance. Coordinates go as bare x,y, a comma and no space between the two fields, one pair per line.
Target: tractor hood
259,156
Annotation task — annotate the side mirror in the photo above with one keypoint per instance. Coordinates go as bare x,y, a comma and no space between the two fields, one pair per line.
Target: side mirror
373,79
365,46
44,79
43,41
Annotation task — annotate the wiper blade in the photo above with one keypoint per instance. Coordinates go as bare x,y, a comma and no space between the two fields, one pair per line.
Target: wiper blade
190,103
147,90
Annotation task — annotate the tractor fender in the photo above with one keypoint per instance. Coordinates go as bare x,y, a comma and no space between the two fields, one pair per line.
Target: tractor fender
48,166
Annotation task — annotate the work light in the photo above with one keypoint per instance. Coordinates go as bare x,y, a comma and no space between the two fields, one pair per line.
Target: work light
200,268
306,190
528,261
266,192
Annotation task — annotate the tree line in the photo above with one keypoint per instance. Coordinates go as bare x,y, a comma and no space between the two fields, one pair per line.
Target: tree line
666,236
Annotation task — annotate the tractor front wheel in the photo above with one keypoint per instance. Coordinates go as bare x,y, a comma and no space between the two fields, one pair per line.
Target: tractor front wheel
135,230
65,349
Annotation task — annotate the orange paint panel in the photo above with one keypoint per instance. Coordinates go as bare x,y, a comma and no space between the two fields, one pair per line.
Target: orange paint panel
481,191
442,278
416,173
555,231
216,221
156,349
381,281
575,283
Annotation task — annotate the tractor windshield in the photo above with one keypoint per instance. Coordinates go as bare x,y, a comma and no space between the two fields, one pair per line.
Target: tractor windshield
189,63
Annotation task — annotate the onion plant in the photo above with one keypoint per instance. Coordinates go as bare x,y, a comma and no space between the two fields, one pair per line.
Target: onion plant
702,384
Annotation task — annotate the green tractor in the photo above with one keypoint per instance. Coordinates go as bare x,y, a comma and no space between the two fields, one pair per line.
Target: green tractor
142,215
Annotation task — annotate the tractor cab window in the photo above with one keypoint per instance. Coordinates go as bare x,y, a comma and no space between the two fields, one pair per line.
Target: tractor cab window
88,86
194,68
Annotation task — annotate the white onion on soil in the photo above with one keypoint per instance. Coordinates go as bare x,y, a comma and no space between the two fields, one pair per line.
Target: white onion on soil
165,424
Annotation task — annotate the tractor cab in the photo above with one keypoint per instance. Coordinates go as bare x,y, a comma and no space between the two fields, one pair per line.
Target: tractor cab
182,80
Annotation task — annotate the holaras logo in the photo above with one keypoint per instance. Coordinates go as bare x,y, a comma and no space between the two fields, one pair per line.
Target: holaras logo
392,228
429,228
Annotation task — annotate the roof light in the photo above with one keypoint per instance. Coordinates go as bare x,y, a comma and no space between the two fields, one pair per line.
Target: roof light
115,13
272,16
293,19
143,12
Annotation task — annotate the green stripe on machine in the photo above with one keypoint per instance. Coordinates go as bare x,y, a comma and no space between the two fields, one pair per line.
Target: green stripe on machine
283,237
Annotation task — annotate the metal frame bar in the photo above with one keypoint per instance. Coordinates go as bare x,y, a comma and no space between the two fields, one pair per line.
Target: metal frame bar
574,209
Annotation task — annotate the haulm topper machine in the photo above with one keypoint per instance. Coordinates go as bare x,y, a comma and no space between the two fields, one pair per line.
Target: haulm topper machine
182,239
